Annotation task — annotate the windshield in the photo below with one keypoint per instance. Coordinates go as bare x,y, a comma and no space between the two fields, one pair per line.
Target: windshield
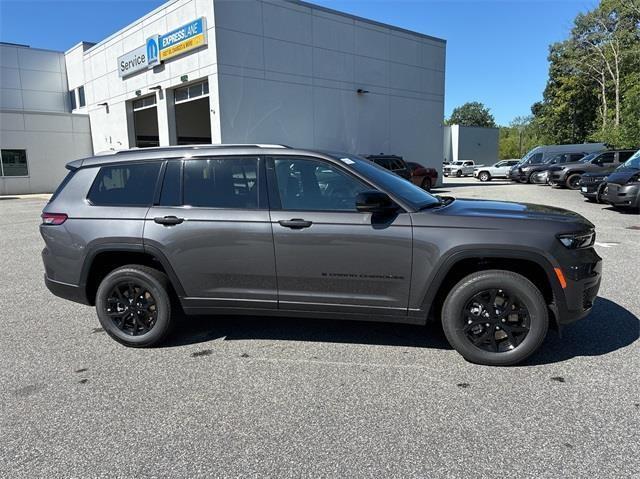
588,158
411,194
457,163
633,162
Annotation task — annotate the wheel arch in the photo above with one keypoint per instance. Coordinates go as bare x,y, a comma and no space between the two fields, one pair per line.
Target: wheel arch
458,264
106,257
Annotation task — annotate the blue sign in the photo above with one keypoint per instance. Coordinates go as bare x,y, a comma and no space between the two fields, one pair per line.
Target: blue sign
180,40
153,51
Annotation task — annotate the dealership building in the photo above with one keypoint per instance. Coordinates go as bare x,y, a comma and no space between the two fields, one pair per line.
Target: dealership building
221,71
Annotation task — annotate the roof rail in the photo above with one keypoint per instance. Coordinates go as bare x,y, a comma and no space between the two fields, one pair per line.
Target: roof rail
196,147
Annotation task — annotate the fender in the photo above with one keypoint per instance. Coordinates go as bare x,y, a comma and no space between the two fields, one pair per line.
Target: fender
480,251
129,248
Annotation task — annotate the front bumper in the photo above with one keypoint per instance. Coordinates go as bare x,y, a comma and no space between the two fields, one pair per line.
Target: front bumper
583,275
539,177
622,195
557,178
590,190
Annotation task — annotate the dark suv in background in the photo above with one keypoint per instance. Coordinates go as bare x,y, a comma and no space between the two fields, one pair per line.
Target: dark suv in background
569,174
270,230
525,173
622,188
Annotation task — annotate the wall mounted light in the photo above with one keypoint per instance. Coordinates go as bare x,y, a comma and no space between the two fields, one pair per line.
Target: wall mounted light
157,87
105,105
360,91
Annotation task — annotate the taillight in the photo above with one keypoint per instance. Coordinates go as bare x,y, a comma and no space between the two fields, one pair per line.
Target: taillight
53,218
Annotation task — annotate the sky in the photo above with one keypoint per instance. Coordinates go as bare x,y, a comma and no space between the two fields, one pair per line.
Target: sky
496,50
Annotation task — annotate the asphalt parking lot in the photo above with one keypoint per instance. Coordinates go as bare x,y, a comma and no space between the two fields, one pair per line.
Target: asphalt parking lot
299,398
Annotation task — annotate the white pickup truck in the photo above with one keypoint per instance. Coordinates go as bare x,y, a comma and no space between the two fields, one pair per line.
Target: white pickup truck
459,168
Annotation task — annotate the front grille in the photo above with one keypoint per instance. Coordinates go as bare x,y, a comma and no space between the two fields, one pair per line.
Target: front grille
586,180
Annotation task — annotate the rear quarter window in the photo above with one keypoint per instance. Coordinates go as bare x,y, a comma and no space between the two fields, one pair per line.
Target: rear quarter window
125,185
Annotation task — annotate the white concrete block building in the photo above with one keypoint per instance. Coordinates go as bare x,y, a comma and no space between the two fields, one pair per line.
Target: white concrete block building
471,143
38,133
262,71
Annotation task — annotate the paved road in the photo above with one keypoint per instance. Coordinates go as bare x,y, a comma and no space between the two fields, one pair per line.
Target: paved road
292,398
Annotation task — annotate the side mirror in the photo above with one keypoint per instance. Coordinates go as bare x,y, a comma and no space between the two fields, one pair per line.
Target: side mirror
374,202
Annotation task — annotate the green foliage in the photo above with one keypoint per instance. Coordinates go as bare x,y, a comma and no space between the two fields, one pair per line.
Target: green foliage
519,137
593,90
472,114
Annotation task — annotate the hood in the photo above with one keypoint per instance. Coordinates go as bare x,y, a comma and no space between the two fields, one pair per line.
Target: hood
508,209
602,171
537,167
622,176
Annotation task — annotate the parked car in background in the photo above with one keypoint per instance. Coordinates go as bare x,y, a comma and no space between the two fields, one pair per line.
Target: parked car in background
523,173
459,168
393,163
498,170
622,188
331,236
541,154
569,174
592,184
422,176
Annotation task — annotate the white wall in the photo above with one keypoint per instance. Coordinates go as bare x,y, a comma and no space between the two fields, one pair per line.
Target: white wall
471,143
32,79
51,141
289,72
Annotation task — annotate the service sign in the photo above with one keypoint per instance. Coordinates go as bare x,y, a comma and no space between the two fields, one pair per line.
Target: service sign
133,62
181,40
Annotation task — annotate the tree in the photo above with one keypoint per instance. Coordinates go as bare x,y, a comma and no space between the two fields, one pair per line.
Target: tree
472,114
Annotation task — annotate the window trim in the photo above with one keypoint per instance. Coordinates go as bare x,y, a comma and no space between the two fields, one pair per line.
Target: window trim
125,163
26,157
274,191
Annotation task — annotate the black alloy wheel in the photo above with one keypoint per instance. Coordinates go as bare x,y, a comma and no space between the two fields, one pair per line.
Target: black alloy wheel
133,303
496,320
132,308
459,173
426,184
573,182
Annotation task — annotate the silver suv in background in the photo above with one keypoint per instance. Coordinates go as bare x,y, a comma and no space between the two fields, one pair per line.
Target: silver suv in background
498,170
269,230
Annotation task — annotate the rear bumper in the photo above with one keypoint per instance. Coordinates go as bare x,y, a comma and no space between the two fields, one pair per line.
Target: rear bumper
67,291
622,195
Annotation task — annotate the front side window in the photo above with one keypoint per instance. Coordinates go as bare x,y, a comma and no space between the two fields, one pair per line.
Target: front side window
221,183
312,185
125,185
606,158
13,163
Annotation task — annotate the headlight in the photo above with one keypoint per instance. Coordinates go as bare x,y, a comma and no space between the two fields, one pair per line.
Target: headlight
634,178
578,240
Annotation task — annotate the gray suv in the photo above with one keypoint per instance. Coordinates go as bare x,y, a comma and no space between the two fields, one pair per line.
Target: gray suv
271,230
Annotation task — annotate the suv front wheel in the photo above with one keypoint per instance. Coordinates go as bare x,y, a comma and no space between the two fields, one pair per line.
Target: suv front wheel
573,181
134,305
495,317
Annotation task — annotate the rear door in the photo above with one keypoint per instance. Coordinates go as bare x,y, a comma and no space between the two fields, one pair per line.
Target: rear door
329,256
212,223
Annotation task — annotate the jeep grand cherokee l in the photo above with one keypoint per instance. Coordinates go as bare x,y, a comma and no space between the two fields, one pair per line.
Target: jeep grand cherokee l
569,174
278,231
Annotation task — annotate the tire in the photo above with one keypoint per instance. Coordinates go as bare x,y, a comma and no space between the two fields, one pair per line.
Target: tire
484,176
426,184
458,173
573,181
152,283
598,198
527,296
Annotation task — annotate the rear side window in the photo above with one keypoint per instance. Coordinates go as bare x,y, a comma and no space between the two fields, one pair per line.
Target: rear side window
171,194
125,185
221,183
61,186
624,156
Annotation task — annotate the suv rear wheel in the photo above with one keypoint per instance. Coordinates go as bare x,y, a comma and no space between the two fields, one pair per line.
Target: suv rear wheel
495,317
573,181
484,176
426,184
134,305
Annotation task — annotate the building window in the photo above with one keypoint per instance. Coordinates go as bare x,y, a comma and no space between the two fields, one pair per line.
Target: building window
81,96
191,92
142,103
14,163
72,99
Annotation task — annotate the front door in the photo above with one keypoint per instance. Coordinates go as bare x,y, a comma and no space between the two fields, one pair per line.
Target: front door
330,257
213,225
